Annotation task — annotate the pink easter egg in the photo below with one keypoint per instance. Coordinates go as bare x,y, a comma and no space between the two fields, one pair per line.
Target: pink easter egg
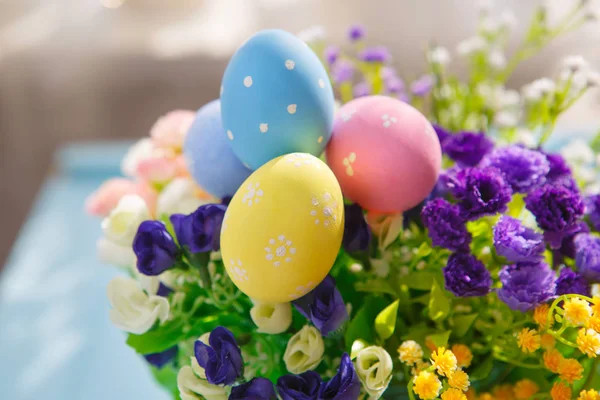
384,153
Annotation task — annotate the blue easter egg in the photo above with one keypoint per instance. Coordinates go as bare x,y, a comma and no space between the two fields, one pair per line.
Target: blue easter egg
276,99
209,156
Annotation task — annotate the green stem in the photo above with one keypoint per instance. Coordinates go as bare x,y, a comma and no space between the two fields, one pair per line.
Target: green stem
411,395
518,363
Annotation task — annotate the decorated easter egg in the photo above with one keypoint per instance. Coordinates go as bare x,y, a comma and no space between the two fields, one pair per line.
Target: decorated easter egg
384,153
209,156
283,228
276,99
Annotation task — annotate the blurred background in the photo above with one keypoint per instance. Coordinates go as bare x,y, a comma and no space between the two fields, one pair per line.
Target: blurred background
95,70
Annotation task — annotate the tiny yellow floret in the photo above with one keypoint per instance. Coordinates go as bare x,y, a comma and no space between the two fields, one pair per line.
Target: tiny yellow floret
589,395
525,389
540,315
444,361
463,355
552,359
588,341
453,394
547,341
427,385
459,380
560,391
528,340
410,352
577,311
570,370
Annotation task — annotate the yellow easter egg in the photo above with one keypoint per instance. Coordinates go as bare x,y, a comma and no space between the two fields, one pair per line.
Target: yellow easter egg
283,228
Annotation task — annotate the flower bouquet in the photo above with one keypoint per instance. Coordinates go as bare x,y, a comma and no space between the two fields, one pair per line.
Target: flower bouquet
405,241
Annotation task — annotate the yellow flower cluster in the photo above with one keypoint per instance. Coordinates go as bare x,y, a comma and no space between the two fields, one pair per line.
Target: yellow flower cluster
410,352
577,311
588,341
525,389
529,340
560,391
427,385
589,395
540,315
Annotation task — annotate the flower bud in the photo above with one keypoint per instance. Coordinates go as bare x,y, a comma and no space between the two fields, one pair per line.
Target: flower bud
191,387
304,350
271,318
122,224
374,368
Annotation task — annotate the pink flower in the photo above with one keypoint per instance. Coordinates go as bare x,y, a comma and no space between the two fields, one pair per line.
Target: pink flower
107,196
169,130
160,169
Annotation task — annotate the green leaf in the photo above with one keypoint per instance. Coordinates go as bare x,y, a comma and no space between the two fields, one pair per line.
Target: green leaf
420,280
483,369
439,304
516,205
376,286
361,326
158,339
595,143
440,339
462,323
385,322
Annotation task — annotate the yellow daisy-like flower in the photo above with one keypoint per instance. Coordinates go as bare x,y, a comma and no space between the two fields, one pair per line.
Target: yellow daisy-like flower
463,355
570,370
594,322
444,361
547,341
588,341
560,391
528,340
453,394
525,389
459,380
589,395
427,385
503,392
540,315
410,352
552,359
596,304
577,311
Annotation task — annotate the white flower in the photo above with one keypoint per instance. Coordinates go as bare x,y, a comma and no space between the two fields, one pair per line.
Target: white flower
304,350
579,79
497,59
122,224
577,153
574,63
485,6
596,289
538,88
374,368
133,310
315,33
508,98
271,318
178,197
471,45
490,25
593,78
141,150
506,119
191,387
115,254
507,19
439,55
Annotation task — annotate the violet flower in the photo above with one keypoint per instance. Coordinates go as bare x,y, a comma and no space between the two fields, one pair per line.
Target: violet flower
558,166
342,71
467,148
357,234
345,385
526,285
356,32
422,86
331,54
466,276
394,85
154,248
480,191
522,169
299,387
516,242
222,360
571,282
361,89
161,359
378,54
323,306
445,226
587,256
442,133
592,205
200,231
557,210
255,389
567,246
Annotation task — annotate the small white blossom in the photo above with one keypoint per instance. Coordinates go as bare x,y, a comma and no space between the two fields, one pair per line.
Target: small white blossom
525,137
445,91
593,79
133,310
271,318
538,88
490,25
508,98
122,224
304,350
485,6
574,63
179,197
471,45
578,153
506,119
192,387
507,19
497,59
578,79
374,367
315,33
439,55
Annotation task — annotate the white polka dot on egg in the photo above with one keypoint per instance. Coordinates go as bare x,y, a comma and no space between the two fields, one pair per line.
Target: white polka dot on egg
264,128
321,83
248,81
290,64
230,135
292,108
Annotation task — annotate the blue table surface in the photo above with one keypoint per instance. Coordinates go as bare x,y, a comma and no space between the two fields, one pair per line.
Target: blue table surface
56,341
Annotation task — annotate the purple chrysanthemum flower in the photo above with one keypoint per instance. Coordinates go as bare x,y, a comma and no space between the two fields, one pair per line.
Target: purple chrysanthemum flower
357,234
445,226
558,166
441,132
222,360
394,85
362,89
342,71
522,169
379,54
323,306
526,285
466,276
255,389
331,54
345,385
161,359
356,32
423,85
516,242
481,191
571,282
299,387
557,210
592,210
567,246
587,256
467,148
